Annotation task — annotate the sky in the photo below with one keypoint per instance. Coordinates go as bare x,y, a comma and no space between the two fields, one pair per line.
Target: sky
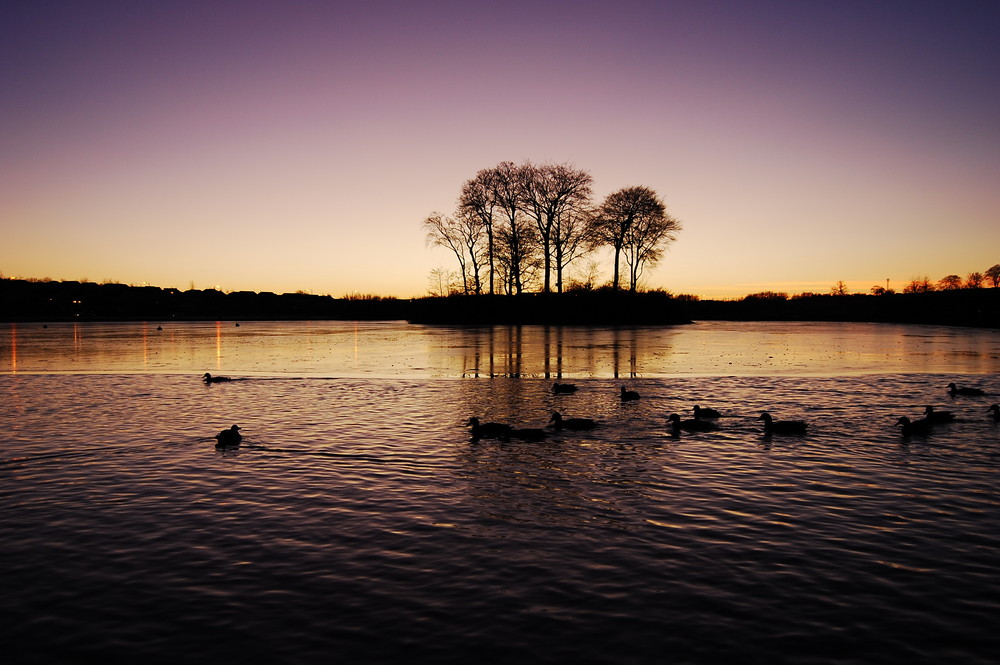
290,145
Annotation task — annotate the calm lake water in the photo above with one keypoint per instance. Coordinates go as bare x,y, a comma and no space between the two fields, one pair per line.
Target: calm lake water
358,523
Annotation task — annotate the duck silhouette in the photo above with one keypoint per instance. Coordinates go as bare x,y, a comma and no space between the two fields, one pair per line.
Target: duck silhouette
995,410
228,438
488,430
689,425
772,426
563,388
705,413
208,378
970,392
921,426
629,395
938,416
571,423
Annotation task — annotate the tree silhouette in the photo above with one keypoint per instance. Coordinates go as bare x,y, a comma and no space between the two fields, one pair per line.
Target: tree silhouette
919,285
993,273
633,221
477,200
519,224
463,235
950,283
571,240
551,193
518,233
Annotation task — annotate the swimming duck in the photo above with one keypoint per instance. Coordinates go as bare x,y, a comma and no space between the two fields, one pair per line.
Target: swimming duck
487,430
563,388
629,395
689,425
228,438
571,423
208,378
705,413
955,390
921,426
995,410
938,416
772,426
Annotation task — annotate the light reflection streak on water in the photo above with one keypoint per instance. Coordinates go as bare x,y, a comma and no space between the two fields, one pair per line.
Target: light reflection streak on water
218,345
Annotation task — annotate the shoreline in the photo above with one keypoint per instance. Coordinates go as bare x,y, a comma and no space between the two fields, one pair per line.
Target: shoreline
23,301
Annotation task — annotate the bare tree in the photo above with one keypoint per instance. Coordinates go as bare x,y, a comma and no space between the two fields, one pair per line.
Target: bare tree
518,232
571,239
919,285
993,274
839,289
552,191
950,283
463,235
441,282
633,220
647,240
974,280
477,199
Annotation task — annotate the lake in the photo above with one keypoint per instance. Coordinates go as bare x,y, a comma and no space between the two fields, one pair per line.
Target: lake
358,521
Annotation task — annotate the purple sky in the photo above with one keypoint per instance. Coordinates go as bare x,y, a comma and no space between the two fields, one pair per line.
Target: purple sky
299,145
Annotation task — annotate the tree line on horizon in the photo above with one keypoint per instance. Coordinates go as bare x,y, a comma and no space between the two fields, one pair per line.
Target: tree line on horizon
520,226
974,280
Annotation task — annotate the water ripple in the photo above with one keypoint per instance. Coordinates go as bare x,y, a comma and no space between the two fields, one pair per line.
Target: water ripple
359,520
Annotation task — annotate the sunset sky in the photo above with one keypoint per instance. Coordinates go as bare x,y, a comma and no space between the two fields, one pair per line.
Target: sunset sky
299,145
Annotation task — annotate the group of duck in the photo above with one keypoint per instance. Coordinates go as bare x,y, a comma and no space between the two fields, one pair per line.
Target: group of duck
924,426
704,419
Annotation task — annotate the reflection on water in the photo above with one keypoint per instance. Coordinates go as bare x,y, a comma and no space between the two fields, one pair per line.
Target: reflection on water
556,351
395,349
358,523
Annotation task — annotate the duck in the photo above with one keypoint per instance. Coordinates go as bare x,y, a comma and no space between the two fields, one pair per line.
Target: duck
208,378
938,416
772,426
571,423
705,413
972,392
995,410
921,426
228,438
690,425
563,388
629,395
487,430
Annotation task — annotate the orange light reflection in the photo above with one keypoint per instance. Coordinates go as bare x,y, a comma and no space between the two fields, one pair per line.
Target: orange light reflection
218,345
